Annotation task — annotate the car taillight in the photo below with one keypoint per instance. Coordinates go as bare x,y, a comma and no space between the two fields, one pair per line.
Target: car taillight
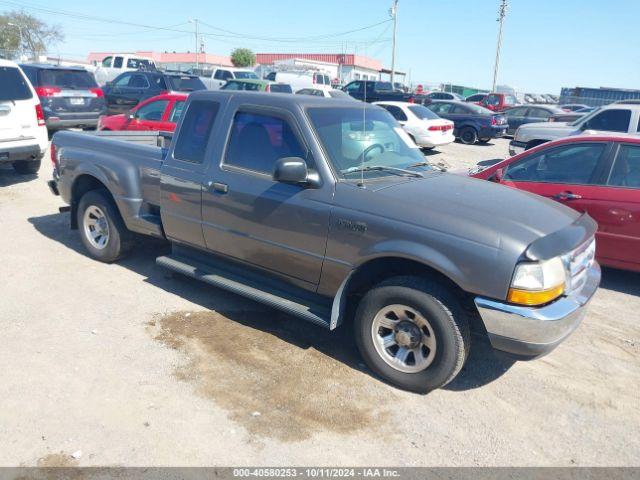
411,100
440,128
494,121
98,91
47,91
267,88
40,115
54,159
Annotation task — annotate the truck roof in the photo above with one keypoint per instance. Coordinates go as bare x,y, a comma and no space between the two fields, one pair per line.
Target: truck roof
284,100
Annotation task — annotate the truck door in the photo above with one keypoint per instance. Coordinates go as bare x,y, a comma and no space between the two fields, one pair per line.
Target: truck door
182,174
248,216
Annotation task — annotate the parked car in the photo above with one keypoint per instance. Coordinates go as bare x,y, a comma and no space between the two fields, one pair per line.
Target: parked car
372,91
597,175
257,86
327,93
299,79
612,118
159,113
114,65
130,88
497,102
472,123
565,116
524,114
476,98
299,203
550,98
424,127
445,96
572,107
70,96
23,134
224,74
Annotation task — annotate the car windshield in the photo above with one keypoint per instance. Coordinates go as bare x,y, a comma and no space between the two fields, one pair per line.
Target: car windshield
13,86
246,75
72,79
366,142
423,113
185,84
584,118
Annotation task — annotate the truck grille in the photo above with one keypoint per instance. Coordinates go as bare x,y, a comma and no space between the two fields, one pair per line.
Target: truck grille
578,263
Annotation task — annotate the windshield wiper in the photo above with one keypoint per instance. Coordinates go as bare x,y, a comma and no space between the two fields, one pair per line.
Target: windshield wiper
398,171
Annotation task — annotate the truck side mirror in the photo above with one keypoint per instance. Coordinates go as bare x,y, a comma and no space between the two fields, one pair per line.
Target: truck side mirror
291,170
130,115
499,175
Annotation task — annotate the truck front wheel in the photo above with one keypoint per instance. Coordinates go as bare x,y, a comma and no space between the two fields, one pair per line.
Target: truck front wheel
102,229
413,333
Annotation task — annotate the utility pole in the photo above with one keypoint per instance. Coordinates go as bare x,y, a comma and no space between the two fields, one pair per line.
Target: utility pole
394,14
502,12
195,22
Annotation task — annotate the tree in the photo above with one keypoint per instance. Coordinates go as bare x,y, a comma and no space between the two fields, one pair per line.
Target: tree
36,35
243,57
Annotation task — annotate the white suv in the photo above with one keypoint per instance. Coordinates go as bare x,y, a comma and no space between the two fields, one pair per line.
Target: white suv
614,118
23,134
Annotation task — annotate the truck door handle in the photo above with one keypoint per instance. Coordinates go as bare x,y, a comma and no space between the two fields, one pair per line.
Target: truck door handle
218,187
567,196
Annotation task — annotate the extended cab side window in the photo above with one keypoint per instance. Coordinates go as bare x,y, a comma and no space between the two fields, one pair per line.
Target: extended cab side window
353,87
612,120
117,63
258,140
570,164
176,111
106,62
194,133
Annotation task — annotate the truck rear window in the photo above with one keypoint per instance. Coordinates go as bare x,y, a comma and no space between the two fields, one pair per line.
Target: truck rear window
195,130
72,79
13,86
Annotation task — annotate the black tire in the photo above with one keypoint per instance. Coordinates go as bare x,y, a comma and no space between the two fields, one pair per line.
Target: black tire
436,303
468,135
119,241
483,140
427,148
27,167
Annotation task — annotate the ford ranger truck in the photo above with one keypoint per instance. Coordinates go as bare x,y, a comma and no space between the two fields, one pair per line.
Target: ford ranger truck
328,211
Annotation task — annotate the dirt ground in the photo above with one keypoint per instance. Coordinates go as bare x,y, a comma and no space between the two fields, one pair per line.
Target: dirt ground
127,365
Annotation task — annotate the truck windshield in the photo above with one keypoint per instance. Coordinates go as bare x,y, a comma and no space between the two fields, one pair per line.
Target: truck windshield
357,139
244,75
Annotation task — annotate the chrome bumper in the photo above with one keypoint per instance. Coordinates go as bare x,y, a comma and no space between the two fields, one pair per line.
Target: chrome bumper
530,331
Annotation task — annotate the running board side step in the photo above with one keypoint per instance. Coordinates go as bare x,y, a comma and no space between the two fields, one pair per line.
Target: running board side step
261,292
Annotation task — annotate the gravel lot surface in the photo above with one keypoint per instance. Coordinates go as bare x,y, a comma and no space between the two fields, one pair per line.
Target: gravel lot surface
126,364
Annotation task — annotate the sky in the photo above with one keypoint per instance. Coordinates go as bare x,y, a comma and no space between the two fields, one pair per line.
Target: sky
548,44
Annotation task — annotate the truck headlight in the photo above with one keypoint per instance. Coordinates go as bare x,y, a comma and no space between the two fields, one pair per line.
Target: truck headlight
537,283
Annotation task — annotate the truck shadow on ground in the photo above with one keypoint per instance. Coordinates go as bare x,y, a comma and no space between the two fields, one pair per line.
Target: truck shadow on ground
621,281
8,176
484,365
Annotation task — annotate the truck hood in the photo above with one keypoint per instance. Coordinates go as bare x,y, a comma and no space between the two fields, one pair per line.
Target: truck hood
480,211
548,130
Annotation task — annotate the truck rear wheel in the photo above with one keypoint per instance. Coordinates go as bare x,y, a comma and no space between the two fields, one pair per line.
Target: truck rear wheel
26,167
413,333
102,229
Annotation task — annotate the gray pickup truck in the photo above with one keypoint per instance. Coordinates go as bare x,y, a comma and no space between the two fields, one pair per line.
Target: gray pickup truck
327,210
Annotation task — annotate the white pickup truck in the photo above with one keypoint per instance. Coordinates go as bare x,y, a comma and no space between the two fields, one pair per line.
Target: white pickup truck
617,117
114,65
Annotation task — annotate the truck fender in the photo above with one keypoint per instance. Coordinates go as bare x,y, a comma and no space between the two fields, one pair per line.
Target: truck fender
395,249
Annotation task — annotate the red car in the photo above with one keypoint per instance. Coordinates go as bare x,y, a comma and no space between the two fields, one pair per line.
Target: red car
499,102
599,175
159,113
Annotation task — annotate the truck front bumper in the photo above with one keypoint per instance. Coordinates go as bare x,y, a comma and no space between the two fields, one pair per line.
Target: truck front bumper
531,331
